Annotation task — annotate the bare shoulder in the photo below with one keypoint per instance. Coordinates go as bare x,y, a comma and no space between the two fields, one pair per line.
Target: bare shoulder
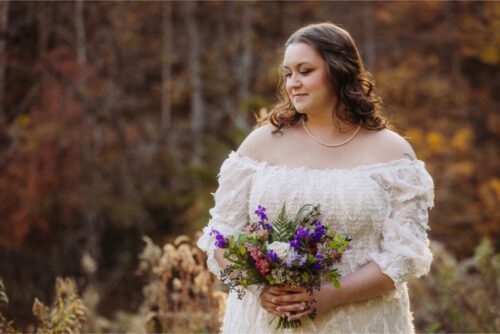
256,143
391,145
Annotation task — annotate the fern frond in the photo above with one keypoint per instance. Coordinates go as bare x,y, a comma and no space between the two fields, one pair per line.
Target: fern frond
306,215
281,229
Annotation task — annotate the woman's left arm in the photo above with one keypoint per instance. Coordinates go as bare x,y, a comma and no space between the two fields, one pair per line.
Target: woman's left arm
367,282
404,249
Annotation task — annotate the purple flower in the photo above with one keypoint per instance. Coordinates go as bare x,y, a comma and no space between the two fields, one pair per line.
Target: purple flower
301,233
318,264
220,240
295,243
293,256
271,255
261,212
319,232
319,256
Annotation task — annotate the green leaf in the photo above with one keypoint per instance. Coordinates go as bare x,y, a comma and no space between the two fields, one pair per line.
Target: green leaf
271,280
333,277
281,227
3,296
306,215
242,250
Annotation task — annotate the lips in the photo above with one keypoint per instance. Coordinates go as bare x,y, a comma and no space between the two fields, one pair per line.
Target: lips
298,95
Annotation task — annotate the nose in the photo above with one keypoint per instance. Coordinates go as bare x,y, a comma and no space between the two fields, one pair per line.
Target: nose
294,81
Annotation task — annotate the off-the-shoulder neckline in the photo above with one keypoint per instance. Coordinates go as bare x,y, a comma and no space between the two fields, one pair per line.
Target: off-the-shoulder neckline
374,166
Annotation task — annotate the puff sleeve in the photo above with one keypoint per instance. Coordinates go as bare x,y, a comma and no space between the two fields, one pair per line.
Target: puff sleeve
230,212
404,249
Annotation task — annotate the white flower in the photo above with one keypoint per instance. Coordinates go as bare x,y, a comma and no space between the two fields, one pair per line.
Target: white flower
280,248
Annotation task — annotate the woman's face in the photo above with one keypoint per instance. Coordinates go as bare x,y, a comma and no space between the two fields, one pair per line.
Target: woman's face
308,84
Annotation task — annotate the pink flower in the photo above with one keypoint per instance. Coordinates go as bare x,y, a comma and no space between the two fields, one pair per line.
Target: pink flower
249,229
256,254
263,266
336,256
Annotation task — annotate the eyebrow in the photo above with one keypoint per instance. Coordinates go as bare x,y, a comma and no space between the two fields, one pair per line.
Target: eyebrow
304,62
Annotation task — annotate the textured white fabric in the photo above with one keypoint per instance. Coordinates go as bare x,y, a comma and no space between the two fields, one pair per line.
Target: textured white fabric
383,207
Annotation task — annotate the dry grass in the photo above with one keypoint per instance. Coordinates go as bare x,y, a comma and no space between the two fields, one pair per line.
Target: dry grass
182,296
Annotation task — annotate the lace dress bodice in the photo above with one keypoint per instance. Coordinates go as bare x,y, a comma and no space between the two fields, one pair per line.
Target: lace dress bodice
382,207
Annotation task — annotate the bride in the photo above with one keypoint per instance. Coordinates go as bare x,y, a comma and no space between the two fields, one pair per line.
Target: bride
326,142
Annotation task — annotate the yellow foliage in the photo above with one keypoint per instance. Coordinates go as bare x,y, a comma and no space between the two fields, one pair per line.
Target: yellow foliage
487,49
460,169
415,136
490,193
462,139
23,121
494,123
435,142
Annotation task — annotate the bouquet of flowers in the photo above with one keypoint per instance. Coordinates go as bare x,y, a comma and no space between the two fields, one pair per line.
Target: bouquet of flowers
295,252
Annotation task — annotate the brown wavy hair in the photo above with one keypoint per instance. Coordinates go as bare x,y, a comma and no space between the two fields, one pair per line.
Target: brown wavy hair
352,83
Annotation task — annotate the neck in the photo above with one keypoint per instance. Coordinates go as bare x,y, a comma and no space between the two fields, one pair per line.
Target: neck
326,126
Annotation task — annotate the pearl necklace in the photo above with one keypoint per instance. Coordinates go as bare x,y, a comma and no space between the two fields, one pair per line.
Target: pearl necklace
316,139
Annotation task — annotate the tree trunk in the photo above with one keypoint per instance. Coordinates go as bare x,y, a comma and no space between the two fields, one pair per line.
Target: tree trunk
166,73
81,51
4,17
243,68
225,78
369,33
195,80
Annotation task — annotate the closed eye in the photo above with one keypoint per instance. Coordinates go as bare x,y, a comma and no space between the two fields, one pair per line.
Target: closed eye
303,72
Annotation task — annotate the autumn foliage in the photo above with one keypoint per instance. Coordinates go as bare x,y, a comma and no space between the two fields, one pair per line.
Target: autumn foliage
116,116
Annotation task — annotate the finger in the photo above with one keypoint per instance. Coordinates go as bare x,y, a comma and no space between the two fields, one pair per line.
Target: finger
295,307
299,315
277,291
271,308
268,298
290,298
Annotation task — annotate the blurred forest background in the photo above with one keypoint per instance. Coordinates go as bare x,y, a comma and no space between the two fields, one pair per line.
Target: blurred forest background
116,116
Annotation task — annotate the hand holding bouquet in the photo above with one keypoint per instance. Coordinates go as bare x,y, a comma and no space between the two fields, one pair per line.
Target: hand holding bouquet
298,252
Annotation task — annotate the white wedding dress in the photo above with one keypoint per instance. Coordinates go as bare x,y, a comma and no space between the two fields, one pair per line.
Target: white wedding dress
383,207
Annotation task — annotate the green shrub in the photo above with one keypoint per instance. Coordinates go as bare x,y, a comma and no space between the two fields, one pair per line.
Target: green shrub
459,296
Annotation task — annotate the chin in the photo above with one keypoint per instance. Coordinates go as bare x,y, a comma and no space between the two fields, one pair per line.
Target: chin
300,110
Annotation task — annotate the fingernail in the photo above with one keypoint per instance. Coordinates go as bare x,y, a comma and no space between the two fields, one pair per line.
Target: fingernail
279,309
274,300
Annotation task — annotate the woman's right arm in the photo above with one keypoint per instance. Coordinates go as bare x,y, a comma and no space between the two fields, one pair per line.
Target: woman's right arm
221,260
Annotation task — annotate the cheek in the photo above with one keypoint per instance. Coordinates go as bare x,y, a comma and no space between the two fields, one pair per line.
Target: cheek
314,82
287,87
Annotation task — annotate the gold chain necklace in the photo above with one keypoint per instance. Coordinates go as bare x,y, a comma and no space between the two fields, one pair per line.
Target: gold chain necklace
316,139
